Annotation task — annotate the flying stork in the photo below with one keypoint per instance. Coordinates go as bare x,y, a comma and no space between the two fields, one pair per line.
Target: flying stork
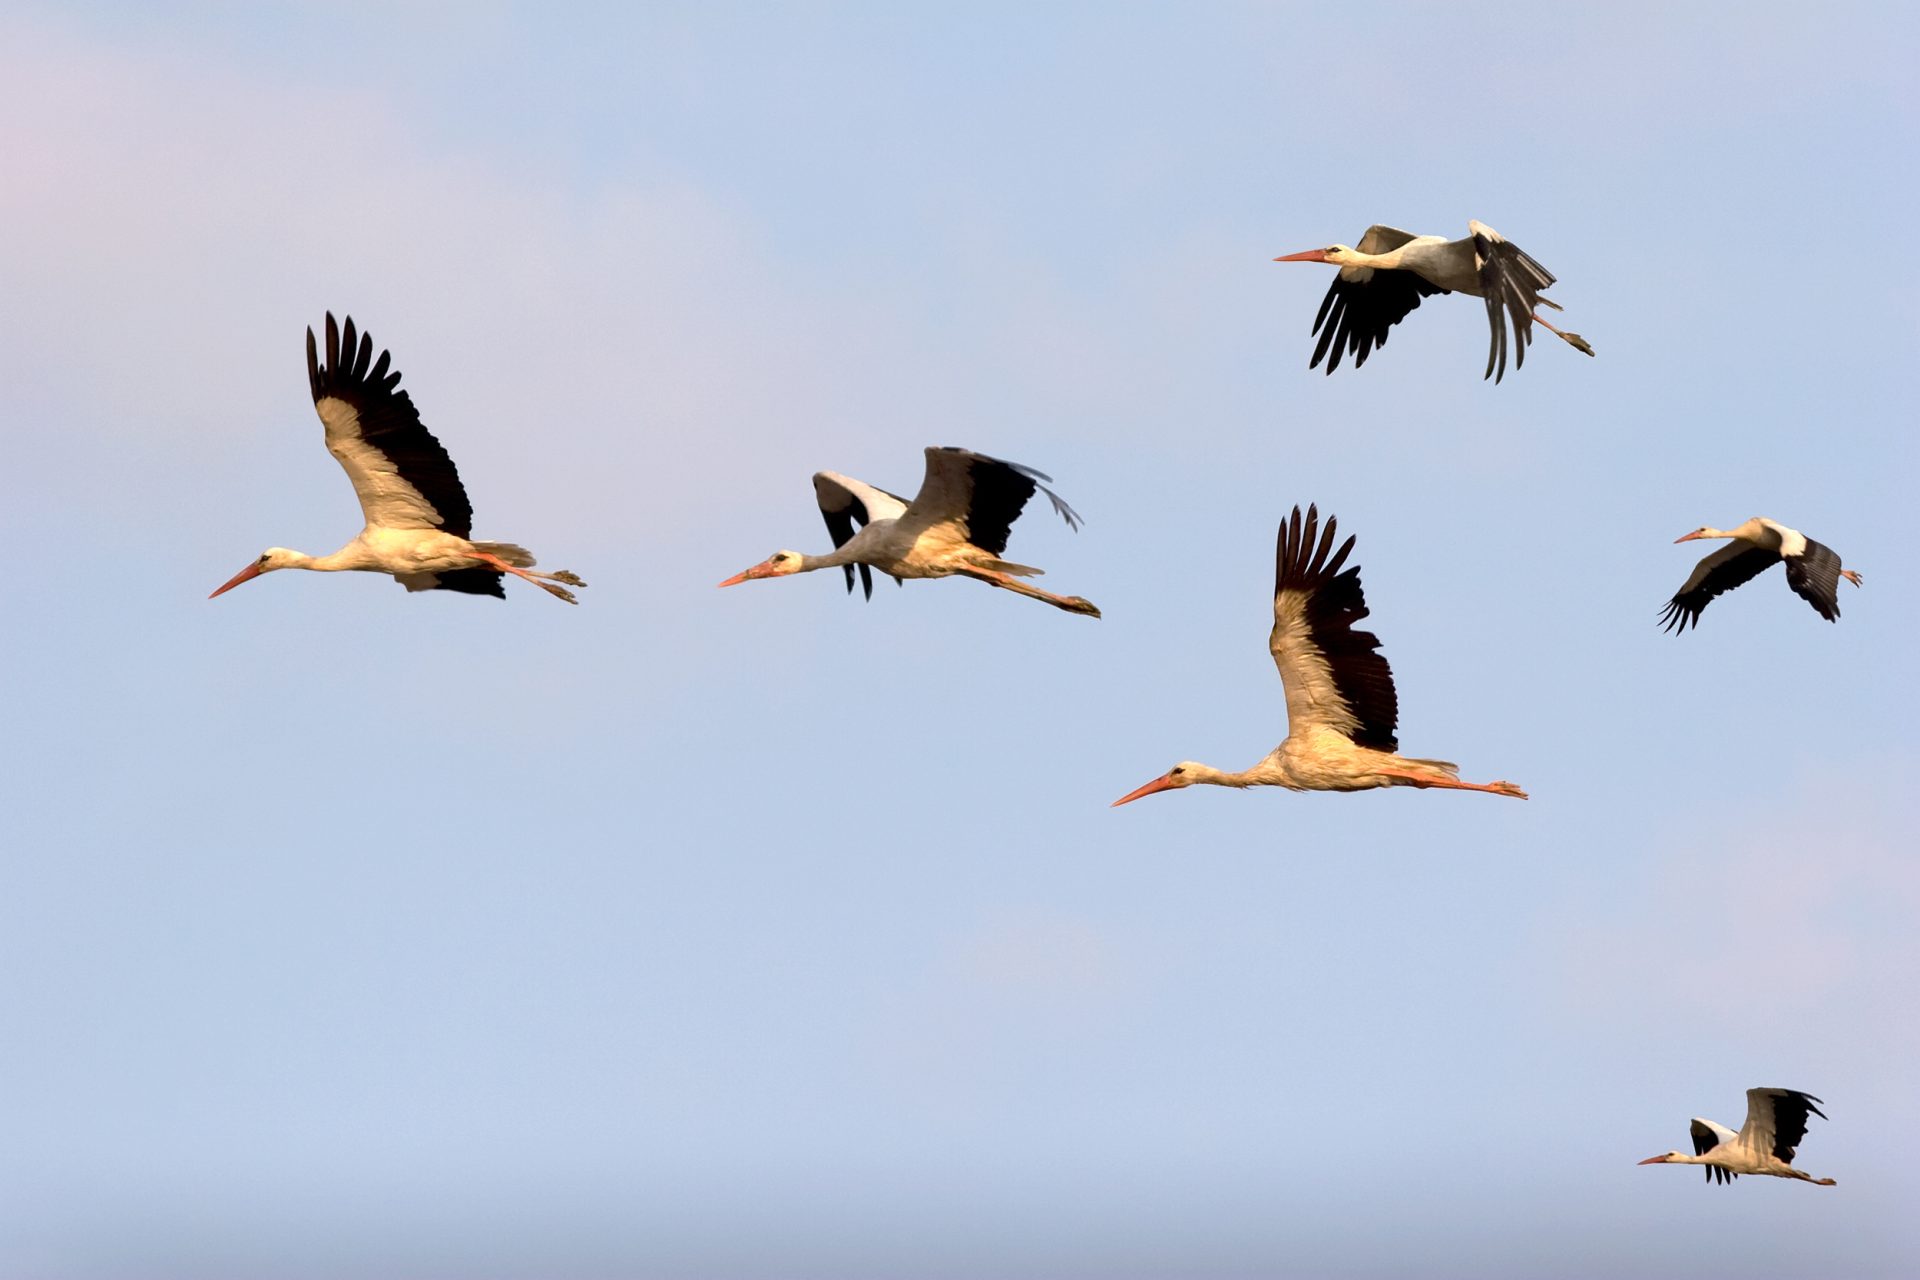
418,516
957,524
1813,570
1341,706
1385,278
1776,1122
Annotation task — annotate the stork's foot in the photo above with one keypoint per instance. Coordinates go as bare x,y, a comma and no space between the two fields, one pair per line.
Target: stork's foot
1080,605
1850,576
544,581
1573,340
1578,343
1506,789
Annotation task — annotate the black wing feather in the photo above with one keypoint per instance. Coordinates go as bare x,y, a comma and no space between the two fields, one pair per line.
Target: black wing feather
388,420
1790,1111
1000,493
1511,282
1335,603
473,582
1356,314
1814,575
1686,606
1705,1140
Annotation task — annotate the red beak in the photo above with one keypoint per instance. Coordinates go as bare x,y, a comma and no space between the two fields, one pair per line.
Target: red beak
1309,255
250,572
1162,783
1685,537
734,581
1654,1160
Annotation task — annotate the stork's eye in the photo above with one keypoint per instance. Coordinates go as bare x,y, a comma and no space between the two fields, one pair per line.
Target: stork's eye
1178,771
261,560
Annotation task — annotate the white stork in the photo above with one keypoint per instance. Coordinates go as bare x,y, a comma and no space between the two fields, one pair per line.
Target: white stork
1776,1122
1813,570
1383,280
417,512
957,524
1341,706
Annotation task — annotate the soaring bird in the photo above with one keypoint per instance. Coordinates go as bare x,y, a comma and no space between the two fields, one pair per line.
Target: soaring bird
1385,278
1341,706
957,524
1813,570
1776,1123
418,516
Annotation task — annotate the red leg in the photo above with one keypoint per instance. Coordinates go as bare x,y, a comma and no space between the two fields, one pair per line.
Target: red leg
497,563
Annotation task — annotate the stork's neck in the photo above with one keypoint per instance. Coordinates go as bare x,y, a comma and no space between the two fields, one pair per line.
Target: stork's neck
1267,773
352,556
832,560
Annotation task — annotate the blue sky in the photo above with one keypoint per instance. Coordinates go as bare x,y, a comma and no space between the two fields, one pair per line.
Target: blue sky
769,933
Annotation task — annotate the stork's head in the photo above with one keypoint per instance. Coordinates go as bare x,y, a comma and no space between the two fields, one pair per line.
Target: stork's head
1672,1157
1184,774
1338,254
270,559
777,565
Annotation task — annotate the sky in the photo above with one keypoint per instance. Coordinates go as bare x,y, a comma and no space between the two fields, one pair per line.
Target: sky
772,933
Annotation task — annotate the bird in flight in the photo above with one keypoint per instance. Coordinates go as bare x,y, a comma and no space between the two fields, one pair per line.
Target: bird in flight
1383,280
956,525
1776,1124
1341,706
1813,570
418,519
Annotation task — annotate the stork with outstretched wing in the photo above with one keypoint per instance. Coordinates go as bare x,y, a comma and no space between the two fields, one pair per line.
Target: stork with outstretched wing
958,524
1381,282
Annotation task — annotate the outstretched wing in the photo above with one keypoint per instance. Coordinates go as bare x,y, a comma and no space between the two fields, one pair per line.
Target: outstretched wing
1363,303
403,476
1511,282
979,497
1334,675
846,503
1814,575
1706,1136
1777,1120
1715,575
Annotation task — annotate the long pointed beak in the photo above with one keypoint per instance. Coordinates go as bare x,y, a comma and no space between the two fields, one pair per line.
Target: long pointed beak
246,574
1654,1160
1162,783
734,581
1309,255
1685,537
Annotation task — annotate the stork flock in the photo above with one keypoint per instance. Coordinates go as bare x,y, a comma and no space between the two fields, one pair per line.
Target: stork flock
1342,705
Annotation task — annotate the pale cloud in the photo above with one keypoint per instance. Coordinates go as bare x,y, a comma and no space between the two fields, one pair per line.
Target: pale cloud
1780,919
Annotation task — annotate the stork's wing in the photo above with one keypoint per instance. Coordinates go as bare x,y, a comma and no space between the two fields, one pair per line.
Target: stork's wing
846,503
403,476
1777,1120
1814,575
1334,675
1511,282
1706,1136
473,582
1718,573
978,497
1363,303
